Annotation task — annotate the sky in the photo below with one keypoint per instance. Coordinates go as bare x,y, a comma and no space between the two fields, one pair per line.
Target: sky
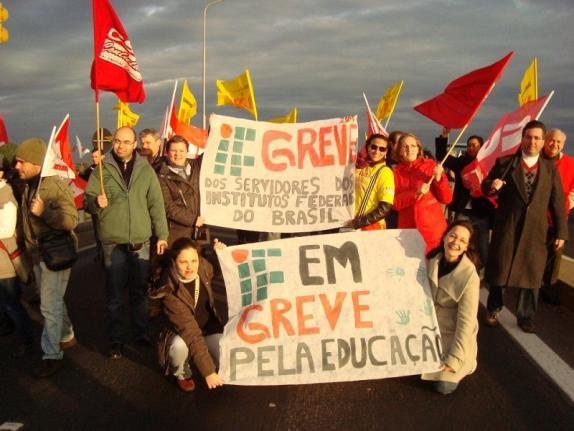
318,56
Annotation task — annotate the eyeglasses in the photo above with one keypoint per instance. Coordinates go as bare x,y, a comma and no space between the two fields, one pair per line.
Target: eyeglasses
124,143
377,148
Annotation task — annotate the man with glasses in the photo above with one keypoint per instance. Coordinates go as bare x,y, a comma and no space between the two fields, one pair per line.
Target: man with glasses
526,187
130,210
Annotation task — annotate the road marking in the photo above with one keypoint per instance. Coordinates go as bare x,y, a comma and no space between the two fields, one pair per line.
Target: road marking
551,364
87,247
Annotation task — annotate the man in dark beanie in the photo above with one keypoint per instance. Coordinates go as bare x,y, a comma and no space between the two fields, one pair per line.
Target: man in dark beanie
47,207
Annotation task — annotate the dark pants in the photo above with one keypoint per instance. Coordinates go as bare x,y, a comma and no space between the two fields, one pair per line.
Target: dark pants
525,308
10,292
550,288
126,269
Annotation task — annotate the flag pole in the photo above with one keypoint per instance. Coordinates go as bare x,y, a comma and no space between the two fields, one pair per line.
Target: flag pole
100,149
52,135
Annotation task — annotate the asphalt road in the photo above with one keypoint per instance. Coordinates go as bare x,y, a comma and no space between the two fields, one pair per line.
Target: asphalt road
507,392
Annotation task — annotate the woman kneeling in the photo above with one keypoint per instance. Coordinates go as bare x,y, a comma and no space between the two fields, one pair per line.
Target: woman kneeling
185,288
452,272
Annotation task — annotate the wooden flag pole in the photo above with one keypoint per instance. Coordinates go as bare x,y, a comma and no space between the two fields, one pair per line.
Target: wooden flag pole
429,182
99,139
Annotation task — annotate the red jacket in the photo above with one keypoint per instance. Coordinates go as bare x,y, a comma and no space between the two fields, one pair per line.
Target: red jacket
425,214
565,166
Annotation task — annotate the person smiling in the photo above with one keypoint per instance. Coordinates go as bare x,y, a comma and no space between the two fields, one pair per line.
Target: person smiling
196,328
179,181
374,185
418,202
452,271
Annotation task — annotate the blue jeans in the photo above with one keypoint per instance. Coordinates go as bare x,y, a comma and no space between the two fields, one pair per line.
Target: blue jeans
126,269
10,292
57,325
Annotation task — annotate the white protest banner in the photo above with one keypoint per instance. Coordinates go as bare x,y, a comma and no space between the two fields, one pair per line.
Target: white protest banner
328,308
279,177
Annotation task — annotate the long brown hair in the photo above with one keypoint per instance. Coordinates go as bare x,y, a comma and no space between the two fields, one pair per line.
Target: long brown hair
471,251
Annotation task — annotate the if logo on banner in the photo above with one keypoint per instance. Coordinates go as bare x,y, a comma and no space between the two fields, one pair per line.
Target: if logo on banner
234,150
255,276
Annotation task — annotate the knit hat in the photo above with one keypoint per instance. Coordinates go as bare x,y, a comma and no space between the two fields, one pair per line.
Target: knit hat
32,150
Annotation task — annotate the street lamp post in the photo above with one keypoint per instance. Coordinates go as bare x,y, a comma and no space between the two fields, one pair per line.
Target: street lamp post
204,50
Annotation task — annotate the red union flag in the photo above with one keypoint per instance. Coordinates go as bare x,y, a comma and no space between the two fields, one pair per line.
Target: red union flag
58,160
503,140
461,99
373,124
115,67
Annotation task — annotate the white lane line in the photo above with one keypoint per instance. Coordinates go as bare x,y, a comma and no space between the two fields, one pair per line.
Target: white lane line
87,247
555,368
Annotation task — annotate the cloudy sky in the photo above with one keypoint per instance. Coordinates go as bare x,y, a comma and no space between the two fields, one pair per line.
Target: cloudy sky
318,56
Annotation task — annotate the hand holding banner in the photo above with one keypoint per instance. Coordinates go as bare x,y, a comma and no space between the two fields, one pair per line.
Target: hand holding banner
326,309
279,177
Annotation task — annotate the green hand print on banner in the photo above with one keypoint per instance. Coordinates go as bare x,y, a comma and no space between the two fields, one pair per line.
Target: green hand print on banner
404,317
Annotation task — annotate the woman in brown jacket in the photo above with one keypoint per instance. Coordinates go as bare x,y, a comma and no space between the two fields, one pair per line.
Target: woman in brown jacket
179,180
185,288
452,272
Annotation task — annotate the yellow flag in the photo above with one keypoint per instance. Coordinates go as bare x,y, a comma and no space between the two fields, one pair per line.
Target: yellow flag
187,105
291,117
4,15
125,115
387,103
529,84
237,92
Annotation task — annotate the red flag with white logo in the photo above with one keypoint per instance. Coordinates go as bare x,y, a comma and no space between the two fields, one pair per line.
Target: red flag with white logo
58,160
503,140
115,67
373,125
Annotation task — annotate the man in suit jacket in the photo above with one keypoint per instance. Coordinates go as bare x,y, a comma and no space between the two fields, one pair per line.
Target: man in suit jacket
527,186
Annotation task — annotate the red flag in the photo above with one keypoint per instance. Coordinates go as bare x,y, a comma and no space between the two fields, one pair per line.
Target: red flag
58,159
115,67
373,125
462,98
3,132
78,187
503,140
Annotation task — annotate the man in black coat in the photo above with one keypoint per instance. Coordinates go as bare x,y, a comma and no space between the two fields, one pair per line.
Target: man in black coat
527,187
479,210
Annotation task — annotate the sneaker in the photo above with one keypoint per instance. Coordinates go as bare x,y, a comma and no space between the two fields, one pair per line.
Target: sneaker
48,367
491,318
68,344
116,351
186,385
527,325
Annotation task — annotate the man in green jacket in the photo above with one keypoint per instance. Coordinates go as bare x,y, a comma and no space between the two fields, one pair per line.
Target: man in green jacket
47,208
130,210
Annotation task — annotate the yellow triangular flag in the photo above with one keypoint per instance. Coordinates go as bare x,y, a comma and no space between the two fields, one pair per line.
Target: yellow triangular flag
187,105
125,115
291,117
4,15
237,92
529,84
387,103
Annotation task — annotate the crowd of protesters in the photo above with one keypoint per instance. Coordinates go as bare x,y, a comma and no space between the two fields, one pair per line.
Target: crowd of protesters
145,206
